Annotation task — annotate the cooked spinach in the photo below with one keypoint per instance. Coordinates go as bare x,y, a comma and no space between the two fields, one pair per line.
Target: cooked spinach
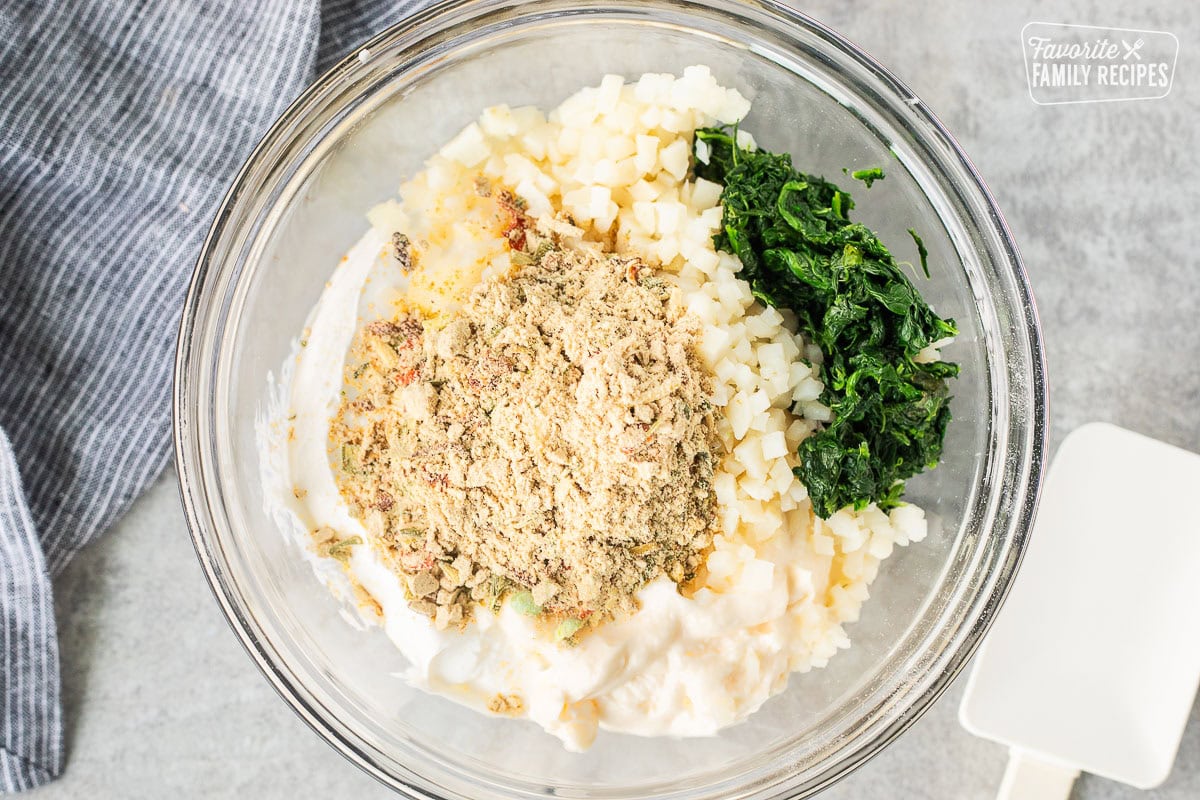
800,251
868,176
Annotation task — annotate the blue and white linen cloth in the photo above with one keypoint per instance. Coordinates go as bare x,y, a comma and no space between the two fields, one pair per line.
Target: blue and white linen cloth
121,124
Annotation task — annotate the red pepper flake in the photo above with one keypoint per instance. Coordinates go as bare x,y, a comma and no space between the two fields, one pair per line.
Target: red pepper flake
410,331
402,251
402,334
517,222
383,500
419,561
437,479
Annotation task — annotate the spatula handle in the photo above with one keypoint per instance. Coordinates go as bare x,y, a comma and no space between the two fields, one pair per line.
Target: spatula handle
1029,777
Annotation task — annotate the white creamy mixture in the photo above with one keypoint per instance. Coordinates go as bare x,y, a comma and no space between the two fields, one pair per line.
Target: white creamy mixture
780,583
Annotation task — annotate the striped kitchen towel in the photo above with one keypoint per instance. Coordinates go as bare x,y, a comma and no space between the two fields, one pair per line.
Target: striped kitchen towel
121,123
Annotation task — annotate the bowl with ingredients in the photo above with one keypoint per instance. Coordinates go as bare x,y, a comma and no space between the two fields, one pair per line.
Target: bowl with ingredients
618,399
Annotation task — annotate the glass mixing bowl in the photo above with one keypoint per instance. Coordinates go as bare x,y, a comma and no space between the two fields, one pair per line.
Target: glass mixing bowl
344,145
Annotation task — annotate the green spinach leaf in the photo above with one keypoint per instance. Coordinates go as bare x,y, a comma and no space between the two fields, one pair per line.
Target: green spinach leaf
800,251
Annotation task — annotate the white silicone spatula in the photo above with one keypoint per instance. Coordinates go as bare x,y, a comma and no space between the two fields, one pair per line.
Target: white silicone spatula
1094,661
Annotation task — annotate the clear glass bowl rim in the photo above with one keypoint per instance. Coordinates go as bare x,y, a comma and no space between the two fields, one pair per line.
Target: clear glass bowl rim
219,265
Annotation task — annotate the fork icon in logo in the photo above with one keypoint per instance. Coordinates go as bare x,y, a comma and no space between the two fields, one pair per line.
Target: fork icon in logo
1132,49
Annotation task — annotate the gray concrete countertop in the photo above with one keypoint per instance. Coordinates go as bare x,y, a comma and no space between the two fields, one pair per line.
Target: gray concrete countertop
162,702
